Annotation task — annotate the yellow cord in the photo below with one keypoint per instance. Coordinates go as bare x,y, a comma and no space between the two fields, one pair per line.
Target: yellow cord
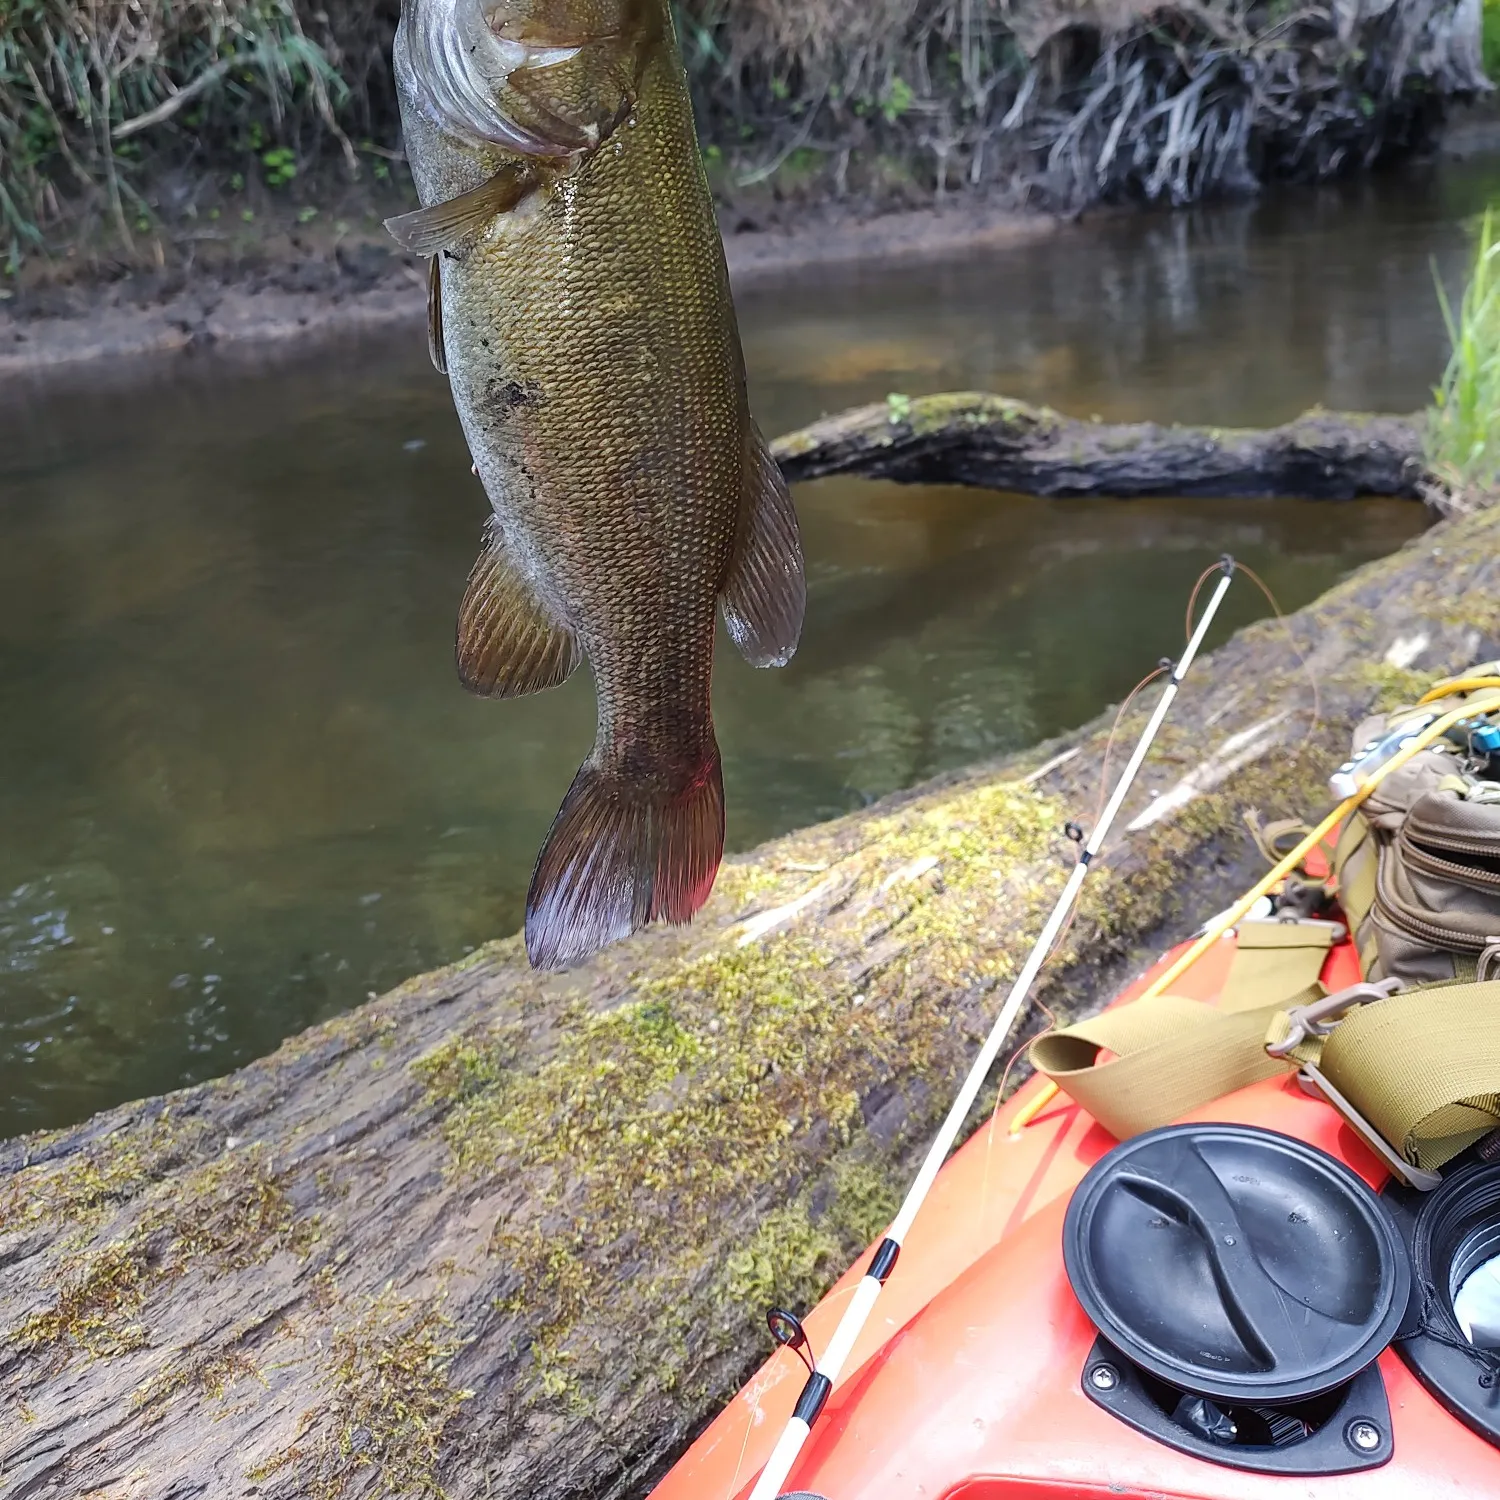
1458,685
1222,923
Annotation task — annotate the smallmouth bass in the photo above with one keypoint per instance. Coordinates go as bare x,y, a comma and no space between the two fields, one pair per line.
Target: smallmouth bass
579,304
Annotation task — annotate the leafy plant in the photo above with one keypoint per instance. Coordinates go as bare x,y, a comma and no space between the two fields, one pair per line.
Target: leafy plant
899,97
281,166
91,96
1463,429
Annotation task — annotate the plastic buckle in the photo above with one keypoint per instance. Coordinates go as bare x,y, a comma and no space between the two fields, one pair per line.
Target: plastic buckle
1321,1016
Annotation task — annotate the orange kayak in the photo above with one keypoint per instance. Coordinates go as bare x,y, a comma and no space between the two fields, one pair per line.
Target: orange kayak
981,1377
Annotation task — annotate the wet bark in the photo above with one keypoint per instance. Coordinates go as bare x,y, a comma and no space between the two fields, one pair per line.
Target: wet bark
505,1235
995,443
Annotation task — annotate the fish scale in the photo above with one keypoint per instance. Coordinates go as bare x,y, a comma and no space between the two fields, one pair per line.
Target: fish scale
582,312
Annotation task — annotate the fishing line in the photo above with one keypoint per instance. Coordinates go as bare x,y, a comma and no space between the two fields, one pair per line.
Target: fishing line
1291,636
831,1364
750,1422
1109,749
1297,651
1050,1092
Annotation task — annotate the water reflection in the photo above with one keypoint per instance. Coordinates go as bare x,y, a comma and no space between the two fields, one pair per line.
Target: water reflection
240,788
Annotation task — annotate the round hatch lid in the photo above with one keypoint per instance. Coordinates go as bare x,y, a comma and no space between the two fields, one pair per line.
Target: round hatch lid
1236,1263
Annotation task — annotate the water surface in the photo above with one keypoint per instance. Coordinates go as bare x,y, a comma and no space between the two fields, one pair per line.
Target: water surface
240,788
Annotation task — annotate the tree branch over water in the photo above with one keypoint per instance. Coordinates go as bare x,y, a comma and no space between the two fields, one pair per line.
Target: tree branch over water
999,444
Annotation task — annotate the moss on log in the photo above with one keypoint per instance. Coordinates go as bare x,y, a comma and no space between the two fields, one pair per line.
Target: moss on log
499,1234
969,438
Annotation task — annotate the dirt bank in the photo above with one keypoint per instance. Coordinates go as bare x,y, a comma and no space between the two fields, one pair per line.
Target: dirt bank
292,285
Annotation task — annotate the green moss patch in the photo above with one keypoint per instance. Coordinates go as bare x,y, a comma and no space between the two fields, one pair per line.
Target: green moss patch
705,1088
391,1400
233,1213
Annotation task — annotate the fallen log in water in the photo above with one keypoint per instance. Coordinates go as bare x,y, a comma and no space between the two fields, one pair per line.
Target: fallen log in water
971,438
504,1235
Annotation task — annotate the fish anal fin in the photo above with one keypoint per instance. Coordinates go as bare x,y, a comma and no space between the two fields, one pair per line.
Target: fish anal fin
509,642
435,317
765,592
623,852
443,226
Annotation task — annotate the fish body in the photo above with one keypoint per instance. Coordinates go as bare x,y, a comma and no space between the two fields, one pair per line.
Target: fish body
580,306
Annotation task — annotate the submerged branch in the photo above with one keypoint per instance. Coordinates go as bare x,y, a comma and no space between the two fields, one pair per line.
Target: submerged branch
995,443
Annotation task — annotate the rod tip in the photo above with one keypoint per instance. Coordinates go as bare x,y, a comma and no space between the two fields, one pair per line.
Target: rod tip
1227,564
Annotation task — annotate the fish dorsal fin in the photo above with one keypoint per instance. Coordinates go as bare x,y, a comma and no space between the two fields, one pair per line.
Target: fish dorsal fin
435,317
765,592
443,226
509,641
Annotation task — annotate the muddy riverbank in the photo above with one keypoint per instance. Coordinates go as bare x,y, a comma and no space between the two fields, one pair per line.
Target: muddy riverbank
296,287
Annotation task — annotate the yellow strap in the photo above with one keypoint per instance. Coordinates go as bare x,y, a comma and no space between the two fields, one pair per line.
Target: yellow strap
1422,1067
1452,687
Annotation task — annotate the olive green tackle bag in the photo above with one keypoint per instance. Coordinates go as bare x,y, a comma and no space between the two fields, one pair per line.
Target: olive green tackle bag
1418,864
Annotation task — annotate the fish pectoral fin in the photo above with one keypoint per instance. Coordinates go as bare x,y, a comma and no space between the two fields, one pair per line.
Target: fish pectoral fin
435,317
442,226
765,592
509,642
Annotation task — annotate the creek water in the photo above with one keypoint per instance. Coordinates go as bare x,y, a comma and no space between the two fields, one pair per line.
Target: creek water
240,788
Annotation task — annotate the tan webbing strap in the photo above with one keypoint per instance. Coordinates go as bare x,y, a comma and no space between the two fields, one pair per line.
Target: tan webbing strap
1423,1067
1274,961
1355,860
1172,1054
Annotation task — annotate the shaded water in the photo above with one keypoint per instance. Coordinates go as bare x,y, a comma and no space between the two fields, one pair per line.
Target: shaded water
240,788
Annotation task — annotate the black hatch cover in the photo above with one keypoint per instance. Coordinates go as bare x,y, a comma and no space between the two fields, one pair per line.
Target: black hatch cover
1236,1263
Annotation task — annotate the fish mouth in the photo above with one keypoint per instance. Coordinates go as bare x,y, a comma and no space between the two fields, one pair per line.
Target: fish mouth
457,64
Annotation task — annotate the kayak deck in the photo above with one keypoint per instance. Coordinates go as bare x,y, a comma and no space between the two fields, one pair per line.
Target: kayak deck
966,1381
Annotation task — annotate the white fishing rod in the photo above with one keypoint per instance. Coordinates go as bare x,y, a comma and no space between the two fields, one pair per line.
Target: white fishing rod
830,1365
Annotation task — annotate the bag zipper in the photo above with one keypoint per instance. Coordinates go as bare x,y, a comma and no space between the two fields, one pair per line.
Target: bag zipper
1434,864
1440,838
1418,927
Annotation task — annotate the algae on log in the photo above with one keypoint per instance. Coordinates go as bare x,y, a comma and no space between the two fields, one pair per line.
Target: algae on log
967,437
499,1234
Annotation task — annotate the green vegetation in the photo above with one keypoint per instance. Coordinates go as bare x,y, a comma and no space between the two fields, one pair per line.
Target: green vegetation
87,91
231,1213
653,1114
122,121
1463,435
1491,38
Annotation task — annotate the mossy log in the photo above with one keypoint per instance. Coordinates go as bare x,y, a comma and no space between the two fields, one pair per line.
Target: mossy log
969,438
505,1235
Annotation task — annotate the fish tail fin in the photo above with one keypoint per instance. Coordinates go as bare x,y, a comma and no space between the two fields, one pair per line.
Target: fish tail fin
623,852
